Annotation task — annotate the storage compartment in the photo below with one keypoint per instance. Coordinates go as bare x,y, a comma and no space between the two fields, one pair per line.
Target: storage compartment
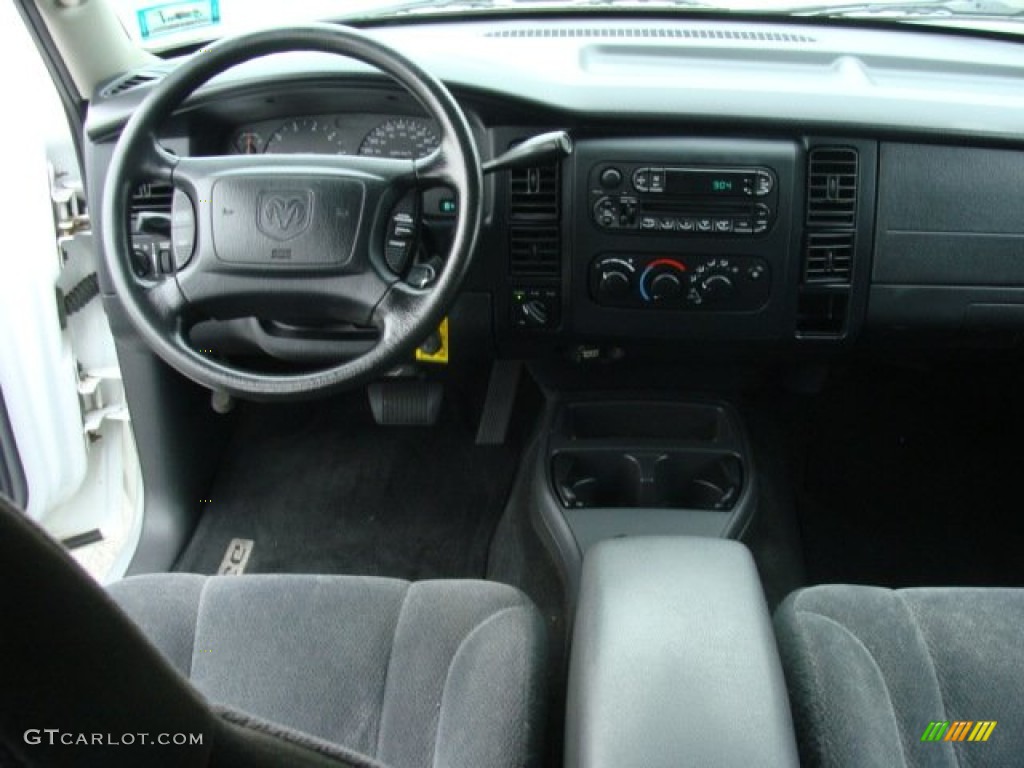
664,479
679,421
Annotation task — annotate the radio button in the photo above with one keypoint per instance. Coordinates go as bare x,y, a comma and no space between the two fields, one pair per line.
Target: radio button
686,224
648,222
611,178
764,184
705,225
666,223
656,179
760,225
742,226
641,179
723,225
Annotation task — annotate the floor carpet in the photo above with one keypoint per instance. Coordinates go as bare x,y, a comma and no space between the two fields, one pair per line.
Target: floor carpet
320,488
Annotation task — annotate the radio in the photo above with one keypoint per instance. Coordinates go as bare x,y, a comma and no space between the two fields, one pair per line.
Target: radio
699,201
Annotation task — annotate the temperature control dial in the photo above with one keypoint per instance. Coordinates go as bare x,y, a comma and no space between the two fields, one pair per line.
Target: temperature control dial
662,280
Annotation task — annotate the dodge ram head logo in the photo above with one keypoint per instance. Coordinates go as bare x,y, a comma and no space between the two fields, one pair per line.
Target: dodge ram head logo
283,215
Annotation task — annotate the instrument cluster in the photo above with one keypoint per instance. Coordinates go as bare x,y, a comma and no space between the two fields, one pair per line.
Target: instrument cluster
398,136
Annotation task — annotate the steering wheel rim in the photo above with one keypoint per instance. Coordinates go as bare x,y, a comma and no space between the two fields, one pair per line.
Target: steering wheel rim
403,315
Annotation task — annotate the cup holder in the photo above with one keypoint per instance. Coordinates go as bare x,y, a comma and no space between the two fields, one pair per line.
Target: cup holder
656,479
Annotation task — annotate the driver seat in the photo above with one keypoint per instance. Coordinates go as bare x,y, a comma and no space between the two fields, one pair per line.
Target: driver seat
268,670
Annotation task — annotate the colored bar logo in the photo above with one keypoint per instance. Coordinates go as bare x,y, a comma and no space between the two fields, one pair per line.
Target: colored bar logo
959,730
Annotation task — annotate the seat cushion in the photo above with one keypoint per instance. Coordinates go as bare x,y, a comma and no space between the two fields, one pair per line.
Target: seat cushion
869,669
413,674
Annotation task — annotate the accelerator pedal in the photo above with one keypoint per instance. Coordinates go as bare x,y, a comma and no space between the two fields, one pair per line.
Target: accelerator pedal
405,402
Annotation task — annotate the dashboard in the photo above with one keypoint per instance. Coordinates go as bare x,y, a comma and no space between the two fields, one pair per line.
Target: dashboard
731,184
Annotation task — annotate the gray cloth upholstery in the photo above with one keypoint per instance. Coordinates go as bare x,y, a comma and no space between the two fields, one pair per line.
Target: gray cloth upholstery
869,668
433,673
76,663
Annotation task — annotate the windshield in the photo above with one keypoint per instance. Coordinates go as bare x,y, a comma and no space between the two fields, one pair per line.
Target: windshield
160,25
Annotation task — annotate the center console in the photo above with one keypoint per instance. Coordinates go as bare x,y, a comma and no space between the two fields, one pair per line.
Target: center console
674,660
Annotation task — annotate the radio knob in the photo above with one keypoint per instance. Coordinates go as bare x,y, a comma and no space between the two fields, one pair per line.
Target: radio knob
664,285
717,287
614,283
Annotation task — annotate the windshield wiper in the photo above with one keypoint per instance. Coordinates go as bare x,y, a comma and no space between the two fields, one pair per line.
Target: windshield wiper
983,9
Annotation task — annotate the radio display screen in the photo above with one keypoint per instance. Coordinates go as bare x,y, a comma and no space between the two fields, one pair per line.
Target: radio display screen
688,183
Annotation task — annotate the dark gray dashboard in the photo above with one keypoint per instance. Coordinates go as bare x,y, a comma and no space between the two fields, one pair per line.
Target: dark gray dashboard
896,159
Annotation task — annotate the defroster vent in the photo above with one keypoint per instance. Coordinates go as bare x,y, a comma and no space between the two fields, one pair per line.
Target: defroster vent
534,215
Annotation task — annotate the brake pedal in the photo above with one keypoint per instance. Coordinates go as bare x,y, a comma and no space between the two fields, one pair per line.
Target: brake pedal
405,403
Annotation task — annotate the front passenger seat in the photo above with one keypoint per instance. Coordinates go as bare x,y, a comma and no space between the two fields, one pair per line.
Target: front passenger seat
910,677
268,670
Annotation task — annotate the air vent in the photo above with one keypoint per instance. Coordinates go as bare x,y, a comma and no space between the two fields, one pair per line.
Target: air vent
534,214
823,306
676,33
829,257
128,83
832,187
154,197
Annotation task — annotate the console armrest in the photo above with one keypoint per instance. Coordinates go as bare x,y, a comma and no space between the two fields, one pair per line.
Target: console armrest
674,660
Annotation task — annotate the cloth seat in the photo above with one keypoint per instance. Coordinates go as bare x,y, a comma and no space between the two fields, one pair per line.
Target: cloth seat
431,673
869,670
261,671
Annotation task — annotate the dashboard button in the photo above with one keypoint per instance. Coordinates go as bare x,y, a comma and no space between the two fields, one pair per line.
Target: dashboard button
666,223
686,224
705,225
742,226
648,222
611,178
764,184
183,229
657,180
641,179
723,225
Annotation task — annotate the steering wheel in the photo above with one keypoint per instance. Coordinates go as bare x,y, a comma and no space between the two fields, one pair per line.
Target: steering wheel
266,235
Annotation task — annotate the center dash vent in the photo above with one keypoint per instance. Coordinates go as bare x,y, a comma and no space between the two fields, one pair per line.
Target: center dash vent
153,197
534,215
832,187
829,257
823,306
622,33
129,83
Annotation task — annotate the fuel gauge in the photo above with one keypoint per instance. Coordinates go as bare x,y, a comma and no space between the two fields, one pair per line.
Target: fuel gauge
249,143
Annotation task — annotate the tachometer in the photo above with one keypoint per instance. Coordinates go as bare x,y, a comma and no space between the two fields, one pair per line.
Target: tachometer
405,137
307,134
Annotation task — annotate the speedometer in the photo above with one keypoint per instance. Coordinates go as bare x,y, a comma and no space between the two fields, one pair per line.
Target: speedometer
404,137
307,134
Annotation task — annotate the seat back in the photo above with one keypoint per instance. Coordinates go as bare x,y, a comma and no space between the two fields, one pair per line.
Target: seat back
81,685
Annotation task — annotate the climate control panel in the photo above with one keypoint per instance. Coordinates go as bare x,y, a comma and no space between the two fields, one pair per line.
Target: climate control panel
691,282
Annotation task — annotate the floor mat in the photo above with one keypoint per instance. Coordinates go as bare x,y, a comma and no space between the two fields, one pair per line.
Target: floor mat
319,488
910,478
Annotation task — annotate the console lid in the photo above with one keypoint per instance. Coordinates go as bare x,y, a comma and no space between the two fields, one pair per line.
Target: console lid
674,661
